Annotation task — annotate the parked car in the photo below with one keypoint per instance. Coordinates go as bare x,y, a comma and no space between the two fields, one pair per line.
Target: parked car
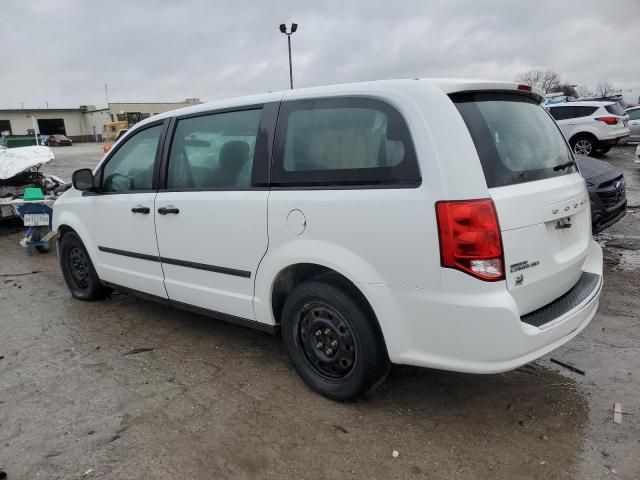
591,128
607,191
438,223
634,123
614,98
59,141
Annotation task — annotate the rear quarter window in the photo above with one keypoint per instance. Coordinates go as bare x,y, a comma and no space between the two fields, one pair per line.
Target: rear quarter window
515,139
341,142
615,109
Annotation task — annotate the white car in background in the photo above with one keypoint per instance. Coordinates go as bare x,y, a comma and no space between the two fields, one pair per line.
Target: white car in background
592,127
634,123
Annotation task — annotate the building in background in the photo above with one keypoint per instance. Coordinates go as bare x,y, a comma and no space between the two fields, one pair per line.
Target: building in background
83,124
132,113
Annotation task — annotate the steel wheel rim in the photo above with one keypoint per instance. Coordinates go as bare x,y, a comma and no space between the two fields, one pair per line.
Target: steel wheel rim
78,264
583,147
326,341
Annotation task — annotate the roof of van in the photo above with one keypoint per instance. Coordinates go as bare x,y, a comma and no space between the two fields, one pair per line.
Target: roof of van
447,85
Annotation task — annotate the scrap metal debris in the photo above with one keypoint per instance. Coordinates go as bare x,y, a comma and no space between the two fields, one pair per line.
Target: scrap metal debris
567,366
617,413
140,350
19,170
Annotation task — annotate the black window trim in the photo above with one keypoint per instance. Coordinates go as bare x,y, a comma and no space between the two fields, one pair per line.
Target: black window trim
278,174
156,165
261,156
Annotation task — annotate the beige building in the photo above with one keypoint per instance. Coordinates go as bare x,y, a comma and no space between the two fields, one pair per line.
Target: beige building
134,112
83,124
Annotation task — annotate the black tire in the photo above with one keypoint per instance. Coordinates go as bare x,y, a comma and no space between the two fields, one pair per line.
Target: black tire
603,149
353,357
78,270
583,144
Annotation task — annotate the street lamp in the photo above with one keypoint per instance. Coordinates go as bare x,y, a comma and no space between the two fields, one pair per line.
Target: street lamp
283,29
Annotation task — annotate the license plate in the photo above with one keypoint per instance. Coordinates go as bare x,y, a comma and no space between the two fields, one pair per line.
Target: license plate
36,219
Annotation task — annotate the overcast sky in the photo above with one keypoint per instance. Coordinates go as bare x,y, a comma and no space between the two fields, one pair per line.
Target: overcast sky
62,51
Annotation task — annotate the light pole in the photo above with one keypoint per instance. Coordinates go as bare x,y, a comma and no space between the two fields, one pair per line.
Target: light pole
288,33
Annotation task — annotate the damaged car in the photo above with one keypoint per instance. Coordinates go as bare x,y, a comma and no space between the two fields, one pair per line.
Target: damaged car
20,170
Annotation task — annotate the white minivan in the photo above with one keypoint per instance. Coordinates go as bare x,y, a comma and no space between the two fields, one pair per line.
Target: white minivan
441,223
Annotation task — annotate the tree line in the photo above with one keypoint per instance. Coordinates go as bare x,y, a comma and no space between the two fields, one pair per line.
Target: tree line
551,82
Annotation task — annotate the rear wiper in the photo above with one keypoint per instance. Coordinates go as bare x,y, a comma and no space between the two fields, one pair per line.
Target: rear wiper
562,166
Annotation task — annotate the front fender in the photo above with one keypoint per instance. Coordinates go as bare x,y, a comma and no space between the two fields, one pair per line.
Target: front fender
63,217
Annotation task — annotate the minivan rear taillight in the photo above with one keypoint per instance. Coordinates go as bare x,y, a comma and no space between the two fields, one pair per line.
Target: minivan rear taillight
608,120
470,238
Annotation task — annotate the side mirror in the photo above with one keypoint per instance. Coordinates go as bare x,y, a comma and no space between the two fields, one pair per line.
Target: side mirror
83,180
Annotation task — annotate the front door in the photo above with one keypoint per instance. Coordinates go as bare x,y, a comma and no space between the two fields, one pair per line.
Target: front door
121,215
211,219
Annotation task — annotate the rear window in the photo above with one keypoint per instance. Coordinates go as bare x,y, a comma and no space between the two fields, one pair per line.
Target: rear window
615,109
517,141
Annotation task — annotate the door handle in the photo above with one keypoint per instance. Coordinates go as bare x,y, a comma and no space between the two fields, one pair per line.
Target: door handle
141,209
165,210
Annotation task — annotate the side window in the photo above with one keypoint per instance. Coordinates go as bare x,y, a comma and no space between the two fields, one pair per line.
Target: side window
634,114
214,151
341,142
556,112
585,111
130,168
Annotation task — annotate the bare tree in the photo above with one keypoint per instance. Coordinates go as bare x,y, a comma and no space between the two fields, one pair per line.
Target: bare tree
583,91
547,81
532,77
604,88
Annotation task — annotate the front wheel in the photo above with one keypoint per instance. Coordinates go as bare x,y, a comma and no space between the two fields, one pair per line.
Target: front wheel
333,340
78,270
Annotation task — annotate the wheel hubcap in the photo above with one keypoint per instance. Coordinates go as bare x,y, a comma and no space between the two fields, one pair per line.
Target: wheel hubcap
583,147
79,267
326,339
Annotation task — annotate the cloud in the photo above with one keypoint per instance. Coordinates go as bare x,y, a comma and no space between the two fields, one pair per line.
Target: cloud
63,51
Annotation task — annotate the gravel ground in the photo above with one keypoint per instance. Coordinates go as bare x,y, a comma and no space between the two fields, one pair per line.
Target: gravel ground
212,400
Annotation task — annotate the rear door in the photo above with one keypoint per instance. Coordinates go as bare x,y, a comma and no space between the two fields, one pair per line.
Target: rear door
540,197
211,214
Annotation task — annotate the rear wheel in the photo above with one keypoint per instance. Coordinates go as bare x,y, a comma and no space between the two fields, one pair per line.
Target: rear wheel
332,340
603,149
583,145
78,270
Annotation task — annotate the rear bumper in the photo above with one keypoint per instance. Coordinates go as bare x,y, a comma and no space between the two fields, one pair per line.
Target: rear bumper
475,332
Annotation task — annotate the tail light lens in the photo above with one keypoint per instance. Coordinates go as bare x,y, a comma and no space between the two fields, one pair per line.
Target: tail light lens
470,238
608,120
